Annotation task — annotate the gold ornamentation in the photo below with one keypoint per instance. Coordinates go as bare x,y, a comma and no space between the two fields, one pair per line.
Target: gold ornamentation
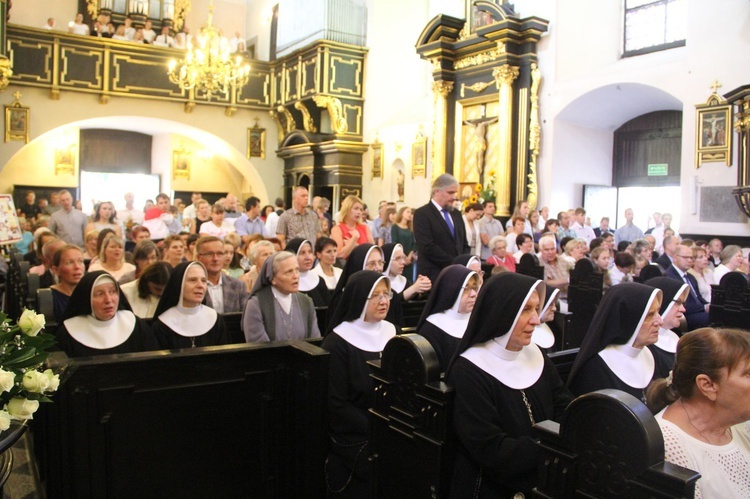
5,72
103,99
279,125
477,87
307,120
181,9
535,135
92,7
442,88
335,111
230,111
189,106
291,125
208,65
505,74
476,60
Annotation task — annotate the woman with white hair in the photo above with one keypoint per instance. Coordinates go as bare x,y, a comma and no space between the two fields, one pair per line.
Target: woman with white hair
257,254
731,260
276,309
499,249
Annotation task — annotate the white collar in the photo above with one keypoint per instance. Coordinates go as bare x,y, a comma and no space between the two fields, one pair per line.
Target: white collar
189,322
367,336
398,283
667,340
543,336
93,333
518,370
634,366
451,322
308,280
285,300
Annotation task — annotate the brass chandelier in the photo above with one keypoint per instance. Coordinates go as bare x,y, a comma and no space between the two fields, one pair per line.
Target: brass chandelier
208,65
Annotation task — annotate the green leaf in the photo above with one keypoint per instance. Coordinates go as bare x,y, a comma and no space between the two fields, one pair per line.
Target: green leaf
19,356
36,359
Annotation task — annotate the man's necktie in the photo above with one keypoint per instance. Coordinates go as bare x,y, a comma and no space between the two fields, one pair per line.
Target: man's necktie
449,221
692,290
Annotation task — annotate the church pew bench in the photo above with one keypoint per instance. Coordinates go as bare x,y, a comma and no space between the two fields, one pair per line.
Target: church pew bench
412,442
730,302
227,421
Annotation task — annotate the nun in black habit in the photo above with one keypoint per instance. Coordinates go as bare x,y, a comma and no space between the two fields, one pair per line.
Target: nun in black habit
357,333
363,257
182,318
503,385
613,353
310,283
98,320
446,313
672,310
543,335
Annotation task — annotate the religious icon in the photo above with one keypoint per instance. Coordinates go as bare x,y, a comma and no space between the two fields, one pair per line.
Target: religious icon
256,142
713,130
400,180
16,120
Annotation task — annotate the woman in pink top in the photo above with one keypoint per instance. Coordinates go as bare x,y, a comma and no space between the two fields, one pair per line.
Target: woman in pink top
499,248
351,229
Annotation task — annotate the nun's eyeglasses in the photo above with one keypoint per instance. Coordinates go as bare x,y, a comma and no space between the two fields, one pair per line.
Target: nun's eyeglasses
375,264
380,296
470,288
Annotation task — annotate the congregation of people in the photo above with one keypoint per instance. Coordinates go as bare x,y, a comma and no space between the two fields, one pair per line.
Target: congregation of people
166,276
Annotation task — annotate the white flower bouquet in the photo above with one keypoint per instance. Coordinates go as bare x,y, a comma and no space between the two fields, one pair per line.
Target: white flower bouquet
23,381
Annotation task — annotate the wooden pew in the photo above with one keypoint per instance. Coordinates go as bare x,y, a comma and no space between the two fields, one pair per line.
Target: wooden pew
229,421
412,442
730,302
608,445
529,265
412,312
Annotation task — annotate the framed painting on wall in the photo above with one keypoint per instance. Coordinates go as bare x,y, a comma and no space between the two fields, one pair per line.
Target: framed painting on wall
713,132
377,159
16,123
256,142
419,156
181,162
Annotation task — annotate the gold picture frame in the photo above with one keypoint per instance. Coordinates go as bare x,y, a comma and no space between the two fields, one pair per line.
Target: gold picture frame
256,142
419,156
713,132
377,159
181,163
16,123
65,160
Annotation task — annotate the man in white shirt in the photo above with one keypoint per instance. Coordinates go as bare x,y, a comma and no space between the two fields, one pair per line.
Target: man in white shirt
164,40
272,220
237,44
129,29
148,33
225,294
189,211
489,227
77,27
129,216
658,232
582,230
50,24
182,39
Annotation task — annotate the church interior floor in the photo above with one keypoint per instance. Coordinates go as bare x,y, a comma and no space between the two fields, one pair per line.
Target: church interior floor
23,482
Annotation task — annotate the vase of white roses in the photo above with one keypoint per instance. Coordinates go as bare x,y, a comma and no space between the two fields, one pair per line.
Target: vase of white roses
24,383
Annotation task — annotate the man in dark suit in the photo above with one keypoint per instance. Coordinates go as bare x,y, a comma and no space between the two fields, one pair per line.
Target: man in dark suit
696,309
225,294
671,244
439,229
603,228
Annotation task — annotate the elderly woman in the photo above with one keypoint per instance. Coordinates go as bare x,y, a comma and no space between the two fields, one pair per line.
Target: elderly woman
351,229
144,293
257,256
105,217
310,282
182,319
731,261
575,249
395,259
363,257
503,385
701,272
704,410
69,267
276,309
446,313
499,249
112,259
672,312
357,334
613,353
98,321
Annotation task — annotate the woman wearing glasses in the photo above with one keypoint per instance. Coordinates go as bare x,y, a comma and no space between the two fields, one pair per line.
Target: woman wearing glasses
363,257
395,260
446,314
358,333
